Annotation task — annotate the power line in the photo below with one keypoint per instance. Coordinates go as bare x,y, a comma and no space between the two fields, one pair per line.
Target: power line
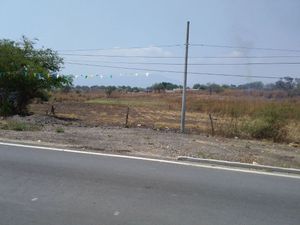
124,56
181,45
174,71
125,48
243,47
251,57
179,57
247,64
190,64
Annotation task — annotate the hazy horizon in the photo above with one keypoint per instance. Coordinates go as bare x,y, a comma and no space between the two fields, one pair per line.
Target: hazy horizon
114,25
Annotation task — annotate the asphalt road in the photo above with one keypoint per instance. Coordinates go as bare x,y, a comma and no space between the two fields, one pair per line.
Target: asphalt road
61,188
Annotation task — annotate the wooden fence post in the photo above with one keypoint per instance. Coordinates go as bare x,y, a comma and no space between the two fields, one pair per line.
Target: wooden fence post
212,125
126,119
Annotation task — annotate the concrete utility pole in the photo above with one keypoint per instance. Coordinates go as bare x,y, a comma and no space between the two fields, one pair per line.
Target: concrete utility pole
183,108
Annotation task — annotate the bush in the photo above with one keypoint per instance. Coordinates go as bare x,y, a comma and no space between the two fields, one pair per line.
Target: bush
270,123
109,90
27,73
6,108
19,126
60,130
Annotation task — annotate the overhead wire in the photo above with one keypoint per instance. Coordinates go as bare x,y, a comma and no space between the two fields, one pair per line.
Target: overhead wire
178,57
122,56
121,48
61,52
174,71
245,47
180,45
190,64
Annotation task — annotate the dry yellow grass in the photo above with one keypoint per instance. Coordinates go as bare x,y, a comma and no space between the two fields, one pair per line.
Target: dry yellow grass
231,110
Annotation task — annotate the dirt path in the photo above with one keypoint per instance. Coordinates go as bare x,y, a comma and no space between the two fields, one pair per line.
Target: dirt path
148,142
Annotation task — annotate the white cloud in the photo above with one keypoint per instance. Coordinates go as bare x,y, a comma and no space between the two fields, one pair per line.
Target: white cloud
236,53
147,51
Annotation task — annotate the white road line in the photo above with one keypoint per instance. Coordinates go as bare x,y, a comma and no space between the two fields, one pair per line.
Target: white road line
153,160
116,213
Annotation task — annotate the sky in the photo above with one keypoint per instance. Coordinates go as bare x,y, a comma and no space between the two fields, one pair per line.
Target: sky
115,26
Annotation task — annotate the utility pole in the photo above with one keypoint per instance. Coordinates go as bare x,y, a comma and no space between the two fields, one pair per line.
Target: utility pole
183,106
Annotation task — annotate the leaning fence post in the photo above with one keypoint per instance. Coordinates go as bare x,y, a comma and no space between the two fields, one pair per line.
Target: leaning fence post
53,110
212,125
126,119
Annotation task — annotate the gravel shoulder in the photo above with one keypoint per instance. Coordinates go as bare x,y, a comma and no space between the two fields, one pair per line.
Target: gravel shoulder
151,143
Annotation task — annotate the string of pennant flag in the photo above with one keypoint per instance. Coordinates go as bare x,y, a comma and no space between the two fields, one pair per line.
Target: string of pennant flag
102,76
25,73
84,76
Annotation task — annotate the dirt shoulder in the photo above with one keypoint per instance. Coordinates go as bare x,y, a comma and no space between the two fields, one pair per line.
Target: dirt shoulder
149,142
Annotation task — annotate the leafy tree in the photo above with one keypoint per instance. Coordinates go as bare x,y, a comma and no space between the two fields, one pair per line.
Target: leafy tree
225,86
95,88
135,89
161,87
158,87
24,74
169,86
215,88
285,83
270,86
109,90
297,81
290,85
200,86
253,85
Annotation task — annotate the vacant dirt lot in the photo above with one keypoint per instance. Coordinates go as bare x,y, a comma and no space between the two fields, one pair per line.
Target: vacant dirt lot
235,114
73,133
89,120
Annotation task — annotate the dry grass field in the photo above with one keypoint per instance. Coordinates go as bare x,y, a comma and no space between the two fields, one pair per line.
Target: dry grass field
242,114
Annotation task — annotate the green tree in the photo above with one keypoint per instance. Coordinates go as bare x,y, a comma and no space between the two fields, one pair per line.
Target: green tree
109,90
200,86
158,87
215,88
285,83
258,85
290,85
27,73
169,86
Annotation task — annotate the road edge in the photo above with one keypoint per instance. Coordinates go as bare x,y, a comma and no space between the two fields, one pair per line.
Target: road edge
239,165
177,161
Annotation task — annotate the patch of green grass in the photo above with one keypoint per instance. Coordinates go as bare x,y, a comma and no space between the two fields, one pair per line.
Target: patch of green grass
60,130
270,123
127,102
19,126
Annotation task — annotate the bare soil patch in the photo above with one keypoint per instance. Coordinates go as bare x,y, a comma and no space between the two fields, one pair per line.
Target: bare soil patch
149,142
